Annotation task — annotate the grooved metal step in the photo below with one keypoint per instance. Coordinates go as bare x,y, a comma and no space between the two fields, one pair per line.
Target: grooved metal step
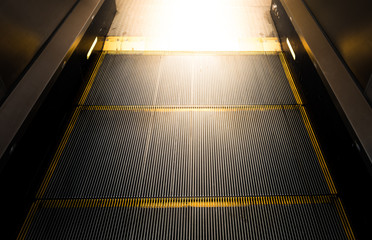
178,152
190,80
224,218
166,144
129,80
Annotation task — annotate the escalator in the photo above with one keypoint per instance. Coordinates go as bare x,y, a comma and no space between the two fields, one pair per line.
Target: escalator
207,146
189,129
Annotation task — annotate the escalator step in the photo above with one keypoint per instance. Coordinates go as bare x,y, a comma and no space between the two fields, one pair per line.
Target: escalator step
247,218
190,80
129,80
180,152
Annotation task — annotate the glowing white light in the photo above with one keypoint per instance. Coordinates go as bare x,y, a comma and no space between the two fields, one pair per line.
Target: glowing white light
199,25
92,47
291,49
193,25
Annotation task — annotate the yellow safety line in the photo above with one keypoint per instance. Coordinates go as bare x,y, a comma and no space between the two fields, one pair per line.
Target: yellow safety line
190,53
318,152
290,78
186,202
202,202
152,44
56,157
91,80
26,225
344,220
187,108
309,128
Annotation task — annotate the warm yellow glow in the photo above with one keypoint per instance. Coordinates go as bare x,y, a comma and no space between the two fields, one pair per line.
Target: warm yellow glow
198,202
197,25
202,25
142,44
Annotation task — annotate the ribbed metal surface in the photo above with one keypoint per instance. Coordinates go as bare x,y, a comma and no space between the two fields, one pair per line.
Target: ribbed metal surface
176,80
103,156
172,152
277,221
190,80
129,80
189,146
253,153
240,80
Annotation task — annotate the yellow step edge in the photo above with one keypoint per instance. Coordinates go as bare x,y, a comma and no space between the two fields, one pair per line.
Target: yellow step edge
191,53
197,202
308,126
185,202
187,108
30,216
345,222
318,152
58,154
290,79
133,44
91,80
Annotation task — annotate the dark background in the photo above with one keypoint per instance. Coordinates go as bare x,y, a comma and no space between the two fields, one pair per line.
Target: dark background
348,25
36,142
349,171
25,26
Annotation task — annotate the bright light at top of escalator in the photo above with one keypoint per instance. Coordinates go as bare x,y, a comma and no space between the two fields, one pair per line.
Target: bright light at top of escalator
195,25
200,25
203,25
